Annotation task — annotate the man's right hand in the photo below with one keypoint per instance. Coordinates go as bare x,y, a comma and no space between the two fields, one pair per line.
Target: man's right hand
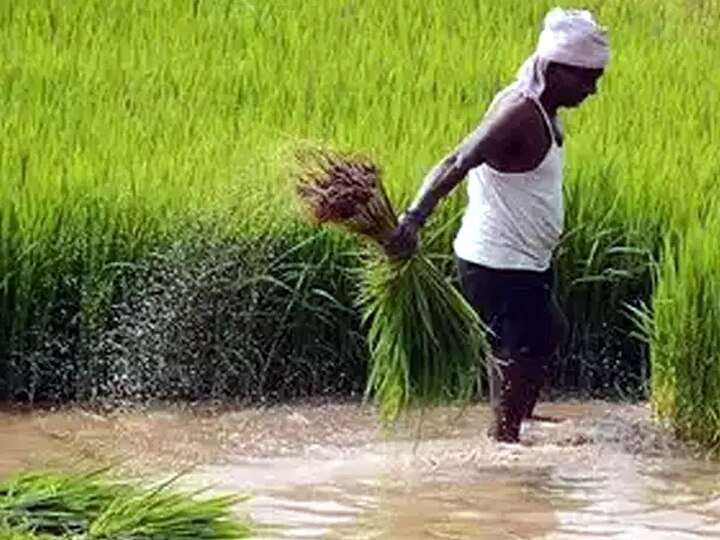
404,239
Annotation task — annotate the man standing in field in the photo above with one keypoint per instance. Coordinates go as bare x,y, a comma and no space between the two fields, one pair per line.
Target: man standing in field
514,217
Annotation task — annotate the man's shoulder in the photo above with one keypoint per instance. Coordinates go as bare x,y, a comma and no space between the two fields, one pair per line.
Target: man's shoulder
513,113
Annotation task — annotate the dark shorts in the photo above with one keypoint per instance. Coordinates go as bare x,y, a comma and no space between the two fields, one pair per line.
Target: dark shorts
517,305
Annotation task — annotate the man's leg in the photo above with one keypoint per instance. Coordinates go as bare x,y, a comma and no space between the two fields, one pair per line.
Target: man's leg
506,415
540,366
537,371
483,288
504,311
511,390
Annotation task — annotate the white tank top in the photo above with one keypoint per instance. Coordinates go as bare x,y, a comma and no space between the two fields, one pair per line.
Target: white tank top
514,220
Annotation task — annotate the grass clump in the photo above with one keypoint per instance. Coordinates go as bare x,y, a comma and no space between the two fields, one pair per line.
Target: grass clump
426,343
57,505
682,329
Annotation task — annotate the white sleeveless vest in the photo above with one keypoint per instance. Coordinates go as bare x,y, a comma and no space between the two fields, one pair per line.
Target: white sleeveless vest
514,220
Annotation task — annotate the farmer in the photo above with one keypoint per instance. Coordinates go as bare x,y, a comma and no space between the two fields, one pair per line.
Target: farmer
514,217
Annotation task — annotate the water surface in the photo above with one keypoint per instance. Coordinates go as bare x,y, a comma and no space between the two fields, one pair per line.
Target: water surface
604,471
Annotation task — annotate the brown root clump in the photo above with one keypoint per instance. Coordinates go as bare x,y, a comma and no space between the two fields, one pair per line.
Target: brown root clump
345,190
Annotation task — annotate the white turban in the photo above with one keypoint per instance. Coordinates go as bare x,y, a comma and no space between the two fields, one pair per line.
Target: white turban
568,37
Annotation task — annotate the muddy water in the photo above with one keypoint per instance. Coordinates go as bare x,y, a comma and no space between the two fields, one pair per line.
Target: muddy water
604,471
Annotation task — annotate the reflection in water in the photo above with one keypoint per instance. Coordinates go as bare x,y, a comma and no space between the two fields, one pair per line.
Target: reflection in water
328,472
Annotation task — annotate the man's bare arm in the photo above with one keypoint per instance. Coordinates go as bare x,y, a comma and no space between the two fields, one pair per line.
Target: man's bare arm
489,140
489,143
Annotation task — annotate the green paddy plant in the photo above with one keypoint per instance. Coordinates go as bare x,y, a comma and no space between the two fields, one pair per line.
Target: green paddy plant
427,345
681,327
52,505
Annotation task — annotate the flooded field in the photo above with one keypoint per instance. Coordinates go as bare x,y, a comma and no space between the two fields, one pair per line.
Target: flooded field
603,471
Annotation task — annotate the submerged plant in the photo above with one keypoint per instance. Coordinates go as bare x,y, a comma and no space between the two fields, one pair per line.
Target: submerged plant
427,344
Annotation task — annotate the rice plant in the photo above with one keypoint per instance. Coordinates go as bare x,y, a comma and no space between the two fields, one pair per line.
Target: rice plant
58,505
681,326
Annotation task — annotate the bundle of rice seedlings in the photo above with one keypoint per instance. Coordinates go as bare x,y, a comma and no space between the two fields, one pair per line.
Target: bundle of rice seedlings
427,344
54,505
